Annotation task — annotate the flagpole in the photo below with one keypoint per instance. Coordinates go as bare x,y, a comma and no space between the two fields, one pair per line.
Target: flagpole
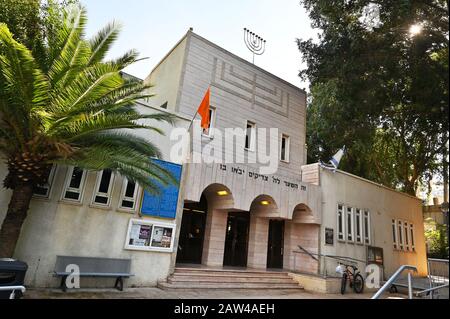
192,121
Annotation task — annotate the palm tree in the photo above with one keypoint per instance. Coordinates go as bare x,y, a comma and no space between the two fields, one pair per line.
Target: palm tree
69,106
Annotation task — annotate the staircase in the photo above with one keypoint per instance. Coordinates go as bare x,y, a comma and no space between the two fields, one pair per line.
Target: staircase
198,278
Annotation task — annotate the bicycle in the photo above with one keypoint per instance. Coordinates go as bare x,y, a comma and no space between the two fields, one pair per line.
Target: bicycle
354,277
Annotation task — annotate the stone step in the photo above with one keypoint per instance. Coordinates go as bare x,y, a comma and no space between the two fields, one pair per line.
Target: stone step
223,285
214,278
230,274
231,279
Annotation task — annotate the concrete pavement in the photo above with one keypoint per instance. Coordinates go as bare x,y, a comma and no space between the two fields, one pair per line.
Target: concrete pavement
156,293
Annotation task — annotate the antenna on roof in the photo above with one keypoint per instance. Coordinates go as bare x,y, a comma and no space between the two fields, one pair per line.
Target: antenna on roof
254,43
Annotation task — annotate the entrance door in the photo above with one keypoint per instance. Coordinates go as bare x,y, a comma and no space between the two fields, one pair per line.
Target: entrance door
236,240
192,232
275,244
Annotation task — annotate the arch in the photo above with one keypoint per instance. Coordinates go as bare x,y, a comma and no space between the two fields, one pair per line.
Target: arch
264,205
218,196
302,214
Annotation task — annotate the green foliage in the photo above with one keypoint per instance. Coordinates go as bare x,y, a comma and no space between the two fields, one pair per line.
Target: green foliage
23,17
378,90
437,240
34,22
70,106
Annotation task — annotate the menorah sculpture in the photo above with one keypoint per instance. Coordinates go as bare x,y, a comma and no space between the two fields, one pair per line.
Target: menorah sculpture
254,43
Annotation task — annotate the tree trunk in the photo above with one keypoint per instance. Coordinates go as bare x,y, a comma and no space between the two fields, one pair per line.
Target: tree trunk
15,216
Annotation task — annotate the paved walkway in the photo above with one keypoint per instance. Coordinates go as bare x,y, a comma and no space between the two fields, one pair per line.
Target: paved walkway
156,293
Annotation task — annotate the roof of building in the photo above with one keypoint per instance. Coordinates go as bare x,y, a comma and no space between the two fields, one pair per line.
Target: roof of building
372,182
192,33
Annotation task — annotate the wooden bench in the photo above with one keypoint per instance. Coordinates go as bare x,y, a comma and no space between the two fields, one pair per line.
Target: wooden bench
94,267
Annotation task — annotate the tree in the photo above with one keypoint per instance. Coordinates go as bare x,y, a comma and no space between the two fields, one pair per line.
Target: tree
436,238
33,21
378,89
76,110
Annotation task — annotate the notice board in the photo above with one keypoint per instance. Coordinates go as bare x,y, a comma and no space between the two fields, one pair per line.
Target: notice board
163,204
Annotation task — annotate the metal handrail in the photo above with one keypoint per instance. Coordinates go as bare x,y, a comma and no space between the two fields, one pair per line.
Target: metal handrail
308,253
321,259
338,258
430,289
13,288
392,280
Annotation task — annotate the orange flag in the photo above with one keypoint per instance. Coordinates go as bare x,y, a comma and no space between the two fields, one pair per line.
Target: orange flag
203,110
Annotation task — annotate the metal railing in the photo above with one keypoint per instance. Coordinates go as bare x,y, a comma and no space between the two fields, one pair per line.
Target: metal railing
321,264
438,276
13,290
431,291
394,277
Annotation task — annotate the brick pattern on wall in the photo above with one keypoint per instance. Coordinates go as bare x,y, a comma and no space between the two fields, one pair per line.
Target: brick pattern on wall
306,236
257,243
214,242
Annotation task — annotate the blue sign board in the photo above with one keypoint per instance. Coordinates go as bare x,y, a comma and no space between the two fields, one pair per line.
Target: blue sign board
165,203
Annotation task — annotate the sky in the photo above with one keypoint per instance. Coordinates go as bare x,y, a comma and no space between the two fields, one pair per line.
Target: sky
153,27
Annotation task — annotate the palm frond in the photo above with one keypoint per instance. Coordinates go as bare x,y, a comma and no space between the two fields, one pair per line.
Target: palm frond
126,161
126,59
116,138
89,124
67,47
23,85
89,85
80,111
117,100
102,41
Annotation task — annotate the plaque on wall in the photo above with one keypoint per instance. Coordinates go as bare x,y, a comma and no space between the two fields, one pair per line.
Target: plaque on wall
150,235
329,236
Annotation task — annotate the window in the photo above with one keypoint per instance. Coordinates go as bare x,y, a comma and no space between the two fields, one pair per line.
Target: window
341,222
394,234
103,188
129,195
250,136
74,184
411,230
403,235
43,191
400,234
349,225
212,121
359,228
284,151
406,232
367,227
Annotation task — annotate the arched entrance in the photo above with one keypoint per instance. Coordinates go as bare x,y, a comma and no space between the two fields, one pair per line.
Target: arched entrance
275,244
192,232
266,233
236,239
202,226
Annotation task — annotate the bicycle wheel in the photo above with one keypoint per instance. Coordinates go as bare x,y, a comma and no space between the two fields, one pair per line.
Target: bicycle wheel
358,283
343,283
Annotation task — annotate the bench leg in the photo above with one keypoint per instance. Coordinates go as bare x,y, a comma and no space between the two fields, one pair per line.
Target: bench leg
63,283
119,284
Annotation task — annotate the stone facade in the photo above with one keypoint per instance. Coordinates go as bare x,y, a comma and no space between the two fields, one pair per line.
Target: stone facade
304,196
